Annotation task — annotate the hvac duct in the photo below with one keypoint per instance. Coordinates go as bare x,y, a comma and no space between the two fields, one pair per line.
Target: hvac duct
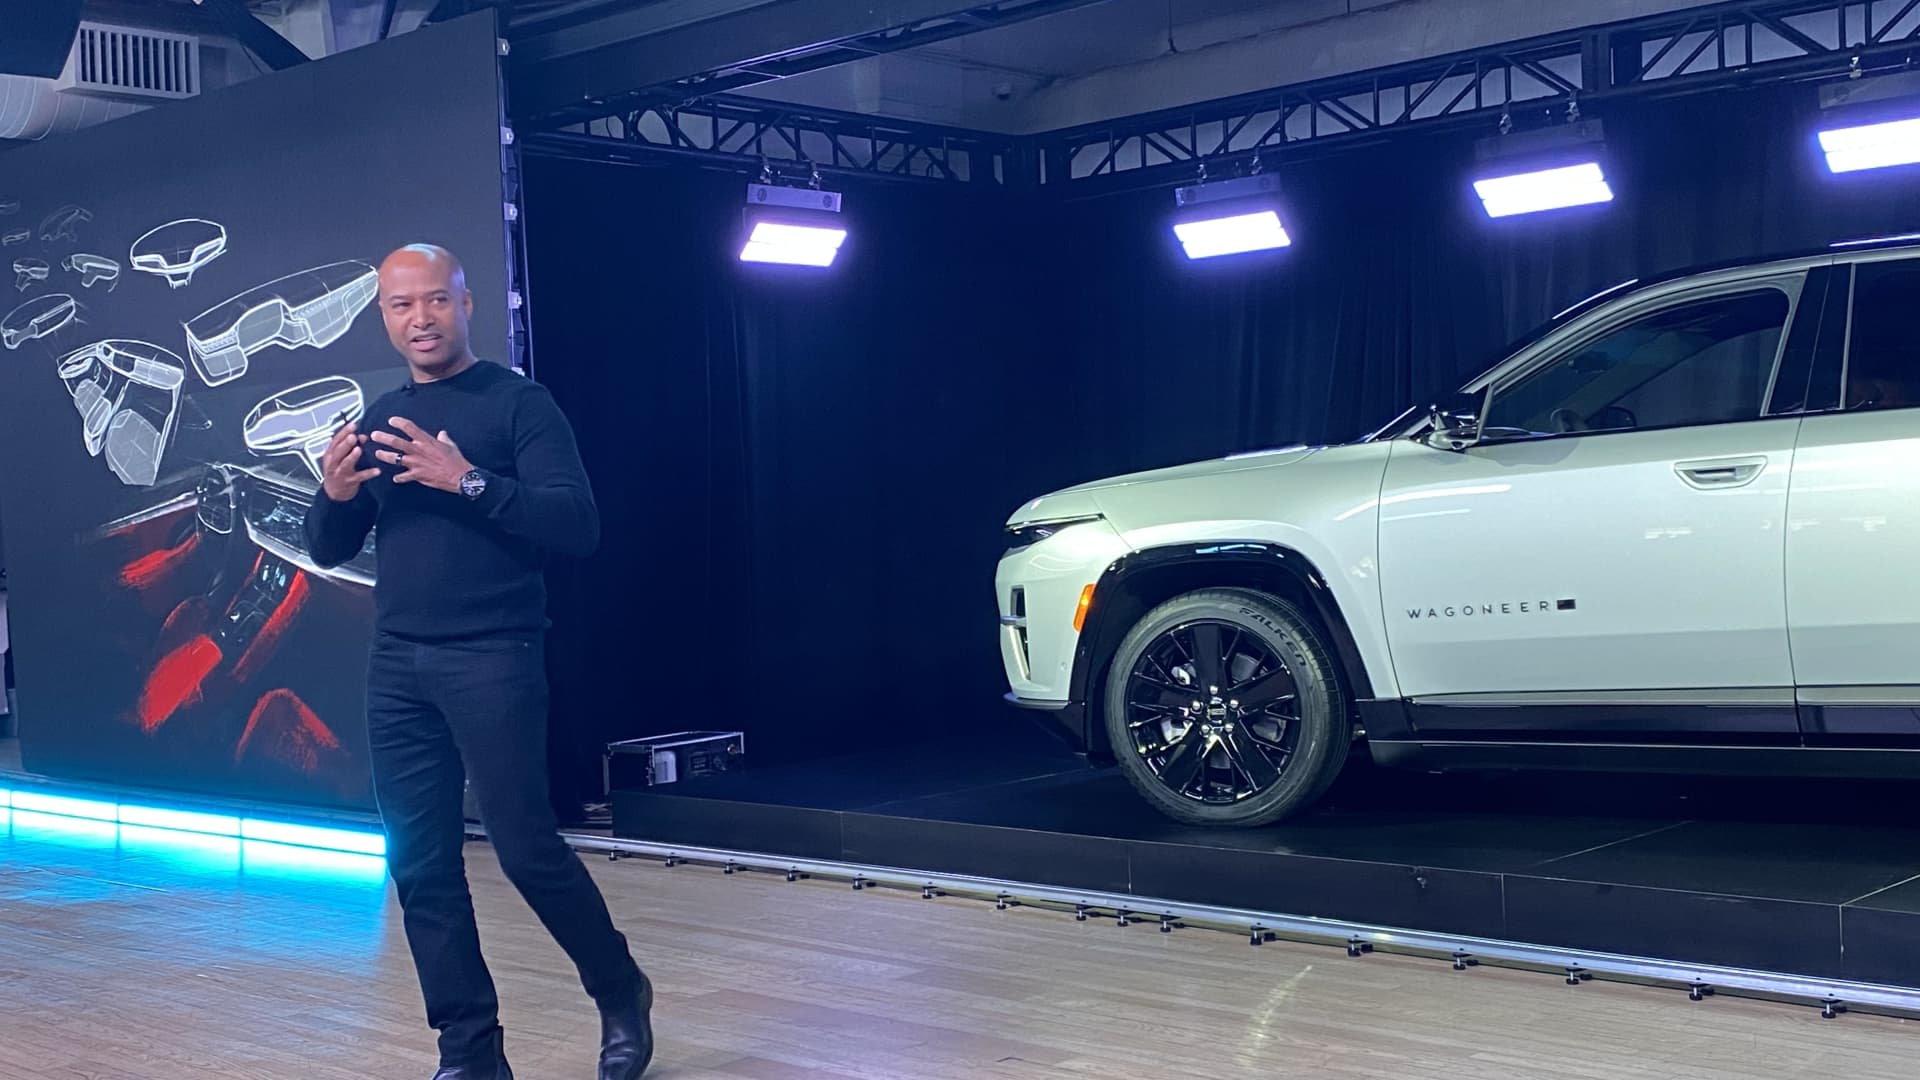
36,108
110,71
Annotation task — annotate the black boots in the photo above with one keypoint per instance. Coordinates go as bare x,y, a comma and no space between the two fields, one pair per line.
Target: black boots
626,1036
491,1065
626,1045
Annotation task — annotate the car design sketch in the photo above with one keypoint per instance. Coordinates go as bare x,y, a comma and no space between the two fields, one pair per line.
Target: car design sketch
127,394
28,271
37,318
64,223
313,308
16,237
93,269
177,249
301,420
272,509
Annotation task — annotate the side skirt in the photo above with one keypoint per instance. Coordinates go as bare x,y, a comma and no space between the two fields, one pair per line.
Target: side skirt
1809,761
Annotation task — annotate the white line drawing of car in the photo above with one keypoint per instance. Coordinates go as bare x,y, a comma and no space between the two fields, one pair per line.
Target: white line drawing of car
64,222
313,307
37,318
272,507
30,271
301,419
9,207
15,237
93,269
268,506
178,248
127,393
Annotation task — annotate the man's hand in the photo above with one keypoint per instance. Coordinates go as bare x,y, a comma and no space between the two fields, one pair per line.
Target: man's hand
339,477
433,461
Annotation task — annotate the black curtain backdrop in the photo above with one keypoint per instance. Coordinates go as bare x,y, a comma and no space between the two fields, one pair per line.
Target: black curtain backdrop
1398,287
803,475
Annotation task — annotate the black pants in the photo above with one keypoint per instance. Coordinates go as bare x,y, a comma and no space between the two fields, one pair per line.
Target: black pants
429,706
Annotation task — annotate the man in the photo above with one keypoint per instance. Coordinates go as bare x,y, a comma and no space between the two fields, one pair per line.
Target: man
474,477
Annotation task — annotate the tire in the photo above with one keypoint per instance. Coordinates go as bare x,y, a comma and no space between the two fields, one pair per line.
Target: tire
1151,721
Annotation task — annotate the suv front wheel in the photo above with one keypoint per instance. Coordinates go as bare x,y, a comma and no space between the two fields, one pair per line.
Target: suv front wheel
1223,707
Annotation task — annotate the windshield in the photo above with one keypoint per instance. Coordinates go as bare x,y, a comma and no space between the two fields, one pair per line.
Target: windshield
1567,315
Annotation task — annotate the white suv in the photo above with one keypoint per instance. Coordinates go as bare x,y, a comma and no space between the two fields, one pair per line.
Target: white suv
1678,529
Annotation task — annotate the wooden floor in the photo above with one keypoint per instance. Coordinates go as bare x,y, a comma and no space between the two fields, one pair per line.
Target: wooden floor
122,958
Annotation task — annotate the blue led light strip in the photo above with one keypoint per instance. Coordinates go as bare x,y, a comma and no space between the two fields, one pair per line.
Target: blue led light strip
115,811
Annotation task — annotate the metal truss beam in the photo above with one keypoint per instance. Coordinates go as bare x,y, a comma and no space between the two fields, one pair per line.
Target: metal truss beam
1729,44
1702,49
449,10
744,132
257,37
665,53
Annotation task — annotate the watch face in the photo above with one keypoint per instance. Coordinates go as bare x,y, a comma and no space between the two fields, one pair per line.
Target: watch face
472,484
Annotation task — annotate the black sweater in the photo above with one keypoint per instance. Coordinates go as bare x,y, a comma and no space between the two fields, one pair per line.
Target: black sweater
448,566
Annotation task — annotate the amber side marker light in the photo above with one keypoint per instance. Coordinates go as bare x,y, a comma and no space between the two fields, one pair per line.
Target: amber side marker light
1080,613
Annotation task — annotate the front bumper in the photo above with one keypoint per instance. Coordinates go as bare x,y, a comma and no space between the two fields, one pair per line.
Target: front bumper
1066,719
1038,591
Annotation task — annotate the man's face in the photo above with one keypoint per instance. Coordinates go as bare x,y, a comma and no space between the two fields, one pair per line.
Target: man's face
426,309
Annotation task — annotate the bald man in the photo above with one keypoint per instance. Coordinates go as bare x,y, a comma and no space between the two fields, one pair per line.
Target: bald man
471,477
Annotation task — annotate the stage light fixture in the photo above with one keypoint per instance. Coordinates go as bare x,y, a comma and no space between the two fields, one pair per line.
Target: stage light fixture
1584,184
793,226
1872,146
1230,217
1870,123
1554,168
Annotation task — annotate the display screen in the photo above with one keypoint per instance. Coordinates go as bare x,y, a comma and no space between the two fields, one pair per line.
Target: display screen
188,314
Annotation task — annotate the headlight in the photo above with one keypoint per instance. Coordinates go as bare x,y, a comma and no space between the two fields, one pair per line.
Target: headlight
1024,536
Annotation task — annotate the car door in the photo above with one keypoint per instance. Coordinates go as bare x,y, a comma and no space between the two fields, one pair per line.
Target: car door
1853,592
1606,563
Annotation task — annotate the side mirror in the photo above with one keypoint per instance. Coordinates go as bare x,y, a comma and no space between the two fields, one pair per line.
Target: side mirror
1455,423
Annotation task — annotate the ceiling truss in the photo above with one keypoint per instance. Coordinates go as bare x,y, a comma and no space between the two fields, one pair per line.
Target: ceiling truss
1545,79
795,141
626,58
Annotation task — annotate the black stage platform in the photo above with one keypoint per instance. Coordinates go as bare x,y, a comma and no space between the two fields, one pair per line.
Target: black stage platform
1820,879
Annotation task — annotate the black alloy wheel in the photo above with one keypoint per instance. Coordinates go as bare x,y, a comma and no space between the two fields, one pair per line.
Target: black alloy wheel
1223,708
1213,711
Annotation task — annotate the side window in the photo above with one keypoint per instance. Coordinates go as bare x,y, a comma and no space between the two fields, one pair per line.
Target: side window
1700,362
1883,354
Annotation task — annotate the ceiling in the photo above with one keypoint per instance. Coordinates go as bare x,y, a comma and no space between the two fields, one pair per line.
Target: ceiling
1099,60
1124,57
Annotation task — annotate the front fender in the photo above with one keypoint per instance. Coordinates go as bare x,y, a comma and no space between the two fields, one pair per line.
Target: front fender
1151,573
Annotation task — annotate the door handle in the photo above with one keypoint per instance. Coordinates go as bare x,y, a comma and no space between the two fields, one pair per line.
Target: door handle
1721,472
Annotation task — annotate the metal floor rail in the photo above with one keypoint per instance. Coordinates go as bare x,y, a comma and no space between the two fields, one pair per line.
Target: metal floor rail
1831,996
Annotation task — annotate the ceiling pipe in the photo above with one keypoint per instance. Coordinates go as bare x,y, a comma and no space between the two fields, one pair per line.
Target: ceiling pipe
33,108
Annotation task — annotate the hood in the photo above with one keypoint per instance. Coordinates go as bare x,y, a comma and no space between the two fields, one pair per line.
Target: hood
1078,501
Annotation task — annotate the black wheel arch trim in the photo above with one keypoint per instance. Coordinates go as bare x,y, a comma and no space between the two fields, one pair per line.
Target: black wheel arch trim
1102,634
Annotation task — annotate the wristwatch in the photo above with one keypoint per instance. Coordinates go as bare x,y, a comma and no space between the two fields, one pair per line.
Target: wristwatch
474,484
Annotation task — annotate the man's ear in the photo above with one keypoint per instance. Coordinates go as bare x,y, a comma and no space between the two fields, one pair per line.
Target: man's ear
466,301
